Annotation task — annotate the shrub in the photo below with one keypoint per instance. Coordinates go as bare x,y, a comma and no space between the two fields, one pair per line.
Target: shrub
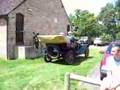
106,37
118,36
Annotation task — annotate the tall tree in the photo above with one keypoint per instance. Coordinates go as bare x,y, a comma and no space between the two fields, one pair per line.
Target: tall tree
108,18
117,5
84,22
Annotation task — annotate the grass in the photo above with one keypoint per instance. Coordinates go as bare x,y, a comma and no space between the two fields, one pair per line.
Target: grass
38,75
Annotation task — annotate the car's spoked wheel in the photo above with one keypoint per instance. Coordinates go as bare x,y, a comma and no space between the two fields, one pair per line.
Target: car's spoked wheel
47,58
70,57
86,53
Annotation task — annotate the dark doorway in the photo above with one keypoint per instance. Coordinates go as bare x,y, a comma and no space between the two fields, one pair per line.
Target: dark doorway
19,29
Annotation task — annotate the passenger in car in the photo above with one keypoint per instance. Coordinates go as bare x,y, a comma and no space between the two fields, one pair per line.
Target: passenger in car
112,81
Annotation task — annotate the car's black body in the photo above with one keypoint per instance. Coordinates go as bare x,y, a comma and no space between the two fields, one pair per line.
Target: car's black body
57,47
64,51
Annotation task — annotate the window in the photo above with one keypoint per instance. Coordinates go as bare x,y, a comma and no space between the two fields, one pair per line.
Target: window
68,28
19,29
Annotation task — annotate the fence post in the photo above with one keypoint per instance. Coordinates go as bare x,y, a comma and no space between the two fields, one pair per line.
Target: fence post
67,81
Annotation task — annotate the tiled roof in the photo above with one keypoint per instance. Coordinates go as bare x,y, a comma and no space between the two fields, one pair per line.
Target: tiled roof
8,5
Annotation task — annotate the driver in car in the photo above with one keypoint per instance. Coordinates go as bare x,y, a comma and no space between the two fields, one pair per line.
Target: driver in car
71,42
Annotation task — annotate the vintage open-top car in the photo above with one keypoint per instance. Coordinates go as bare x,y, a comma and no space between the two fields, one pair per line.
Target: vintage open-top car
58,47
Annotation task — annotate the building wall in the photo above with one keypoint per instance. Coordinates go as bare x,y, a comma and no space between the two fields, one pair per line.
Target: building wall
3,38
43,16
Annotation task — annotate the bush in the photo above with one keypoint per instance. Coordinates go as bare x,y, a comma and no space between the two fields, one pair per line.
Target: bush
118,36
106,37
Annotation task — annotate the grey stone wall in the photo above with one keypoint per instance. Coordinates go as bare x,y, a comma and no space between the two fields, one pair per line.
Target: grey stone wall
43,16
11,41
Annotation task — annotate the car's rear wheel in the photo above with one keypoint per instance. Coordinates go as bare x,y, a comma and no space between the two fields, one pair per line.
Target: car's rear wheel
86,53
47,58
70,57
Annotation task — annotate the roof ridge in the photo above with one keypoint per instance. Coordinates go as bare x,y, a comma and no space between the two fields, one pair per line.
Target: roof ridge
7,6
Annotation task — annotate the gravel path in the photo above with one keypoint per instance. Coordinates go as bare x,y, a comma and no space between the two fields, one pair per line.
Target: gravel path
94,74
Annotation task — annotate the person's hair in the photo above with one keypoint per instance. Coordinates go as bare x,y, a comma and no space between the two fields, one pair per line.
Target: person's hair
116,45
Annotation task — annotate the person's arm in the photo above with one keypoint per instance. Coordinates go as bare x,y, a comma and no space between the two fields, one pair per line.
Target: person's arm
114,88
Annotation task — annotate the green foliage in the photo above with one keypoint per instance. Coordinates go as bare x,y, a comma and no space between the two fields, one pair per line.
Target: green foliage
117,4
84,23
106,13
118,36
109,16
106,37
87,24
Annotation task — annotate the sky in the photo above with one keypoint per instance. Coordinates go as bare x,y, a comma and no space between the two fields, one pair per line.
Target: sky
93,6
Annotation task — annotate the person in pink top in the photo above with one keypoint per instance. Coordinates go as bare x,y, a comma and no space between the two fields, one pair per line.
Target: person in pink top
112,81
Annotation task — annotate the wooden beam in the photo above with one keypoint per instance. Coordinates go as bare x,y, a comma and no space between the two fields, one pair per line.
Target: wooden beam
72,76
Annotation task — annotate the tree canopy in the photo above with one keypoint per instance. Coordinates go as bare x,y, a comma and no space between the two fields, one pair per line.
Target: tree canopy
106,23
84,22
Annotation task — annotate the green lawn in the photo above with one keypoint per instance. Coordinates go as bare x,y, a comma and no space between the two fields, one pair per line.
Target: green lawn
38,75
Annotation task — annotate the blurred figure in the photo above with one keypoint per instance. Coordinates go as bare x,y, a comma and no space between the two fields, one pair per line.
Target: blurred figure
62,33
112,81
71,42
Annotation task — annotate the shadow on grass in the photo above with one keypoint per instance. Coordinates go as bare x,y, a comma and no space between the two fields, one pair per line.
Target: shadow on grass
78,60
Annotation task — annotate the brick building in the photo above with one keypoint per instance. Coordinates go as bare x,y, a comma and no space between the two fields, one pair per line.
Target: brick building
19,18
